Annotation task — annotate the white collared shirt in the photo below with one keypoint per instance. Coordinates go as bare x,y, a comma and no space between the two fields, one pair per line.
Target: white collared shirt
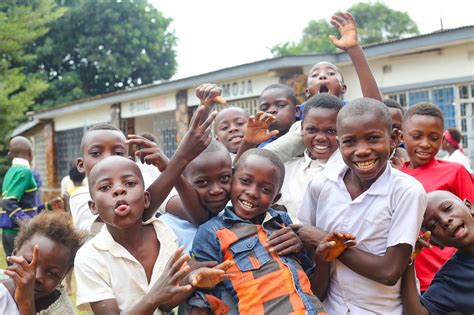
298,173
390,212
460,158
104,269
21,162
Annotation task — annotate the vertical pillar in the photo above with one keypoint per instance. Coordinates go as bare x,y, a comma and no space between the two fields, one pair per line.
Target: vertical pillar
51,179
115,115
181,114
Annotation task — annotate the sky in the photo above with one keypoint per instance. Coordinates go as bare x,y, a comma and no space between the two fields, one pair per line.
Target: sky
219,34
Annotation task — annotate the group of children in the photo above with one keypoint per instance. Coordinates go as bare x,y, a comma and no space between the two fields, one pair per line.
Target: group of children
300,209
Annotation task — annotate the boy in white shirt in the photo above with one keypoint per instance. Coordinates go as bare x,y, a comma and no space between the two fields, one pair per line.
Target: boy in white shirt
379,205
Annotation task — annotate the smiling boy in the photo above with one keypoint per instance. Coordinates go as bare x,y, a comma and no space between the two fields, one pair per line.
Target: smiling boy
379,205
263,281
451,223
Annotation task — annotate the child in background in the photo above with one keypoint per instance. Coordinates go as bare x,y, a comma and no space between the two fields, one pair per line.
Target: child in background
122,268
280,101
319,136
324,77
423,127
229,127
263,281
399,154
451,144
451,223
44,252
379,205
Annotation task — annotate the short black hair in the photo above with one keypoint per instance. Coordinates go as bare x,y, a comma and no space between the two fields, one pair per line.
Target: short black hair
99,126
149,136
455,134
363,106
215,146
269,155
424,109
290,93
322,100
391,103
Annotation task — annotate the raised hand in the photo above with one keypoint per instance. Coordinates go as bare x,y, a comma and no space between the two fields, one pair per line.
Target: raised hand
421,242
168,285
346,25
57,203
208,278
148,152
334,244
257,128
24,276
209,94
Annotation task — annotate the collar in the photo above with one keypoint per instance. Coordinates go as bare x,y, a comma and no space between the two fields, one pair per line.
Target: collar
379,187
104,241
230,217
20,162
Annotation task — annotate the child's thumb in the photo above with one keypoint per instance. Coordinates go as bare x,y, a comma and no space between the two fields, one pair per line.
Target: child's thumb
333,39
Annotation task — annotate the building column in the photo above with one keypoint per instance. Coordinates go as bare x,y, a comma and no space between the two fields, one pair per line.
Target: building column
115,115
181,114
51,179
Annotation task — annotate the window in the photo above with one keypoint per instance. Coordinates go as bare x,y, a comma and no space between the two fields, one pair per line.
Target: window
68,144
463,109
464,142
444,97
402,99
417,96
472,91
464,91
463,125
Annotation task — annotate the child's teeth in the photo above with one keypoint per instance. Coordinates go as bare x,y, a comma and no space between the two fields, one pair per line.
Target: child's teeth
247,204
365,164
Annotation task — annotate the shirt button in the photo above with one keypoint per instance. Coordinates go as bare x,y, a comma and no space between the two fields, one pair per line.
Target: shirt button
249,245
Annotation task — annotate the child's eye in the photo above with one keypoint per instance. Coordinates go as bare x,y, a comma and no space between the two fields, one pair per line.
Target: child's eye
331,132
348,142
264,108
244,181
95,153
282,105
374,138
53,275
310,130
267,190
104,188
434,138
223,128
120,153
225,178
416,137
201,183
130,184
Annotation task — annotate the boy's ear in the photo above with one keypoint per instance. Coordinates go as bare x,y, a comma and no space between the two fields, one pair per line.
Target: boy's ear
394,136
80,165
469,205
343,88
92,207
277,197
306,93
297,112
147,198
10,155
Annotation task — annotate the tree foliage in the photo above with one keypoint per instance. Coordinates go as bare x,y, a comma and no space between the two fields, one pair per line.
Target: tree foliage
21,23
375,23
99,47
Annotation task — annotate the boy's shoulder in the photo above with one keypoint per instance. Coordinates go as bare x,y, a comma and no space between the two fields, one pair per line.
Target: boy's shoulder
401,179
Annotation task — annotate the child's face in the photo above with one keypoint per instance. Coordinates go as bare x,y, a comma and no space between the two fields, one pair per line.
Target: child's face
324,77
98,145
117,192
211,177
230,125
276,102
319,132
255,186
365,145
52,264
422,136
450,220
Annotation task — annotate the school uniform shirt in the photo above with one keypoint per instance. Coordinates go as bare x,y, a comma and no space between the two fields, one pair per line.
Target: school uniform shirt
7,303
104,269
82,216
439,175
452,288
262,282
458,157
389,213
298,173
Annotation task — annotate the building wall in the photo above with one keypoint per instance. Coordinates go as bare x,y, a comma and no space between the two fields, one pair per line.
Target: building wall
82,118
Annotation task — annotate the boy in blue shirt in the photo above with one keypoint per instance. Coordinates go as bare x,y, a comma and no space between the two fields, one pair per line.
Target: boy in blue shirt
451,223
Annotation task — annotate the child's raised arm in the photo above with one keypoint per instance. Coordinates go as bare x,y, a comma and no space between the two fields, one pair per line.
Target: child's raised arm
256,132
346,25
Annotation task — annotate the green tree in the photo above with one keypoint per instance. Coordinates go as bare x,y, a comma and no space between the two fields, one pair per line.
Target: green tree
375,23
21,23
99,47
